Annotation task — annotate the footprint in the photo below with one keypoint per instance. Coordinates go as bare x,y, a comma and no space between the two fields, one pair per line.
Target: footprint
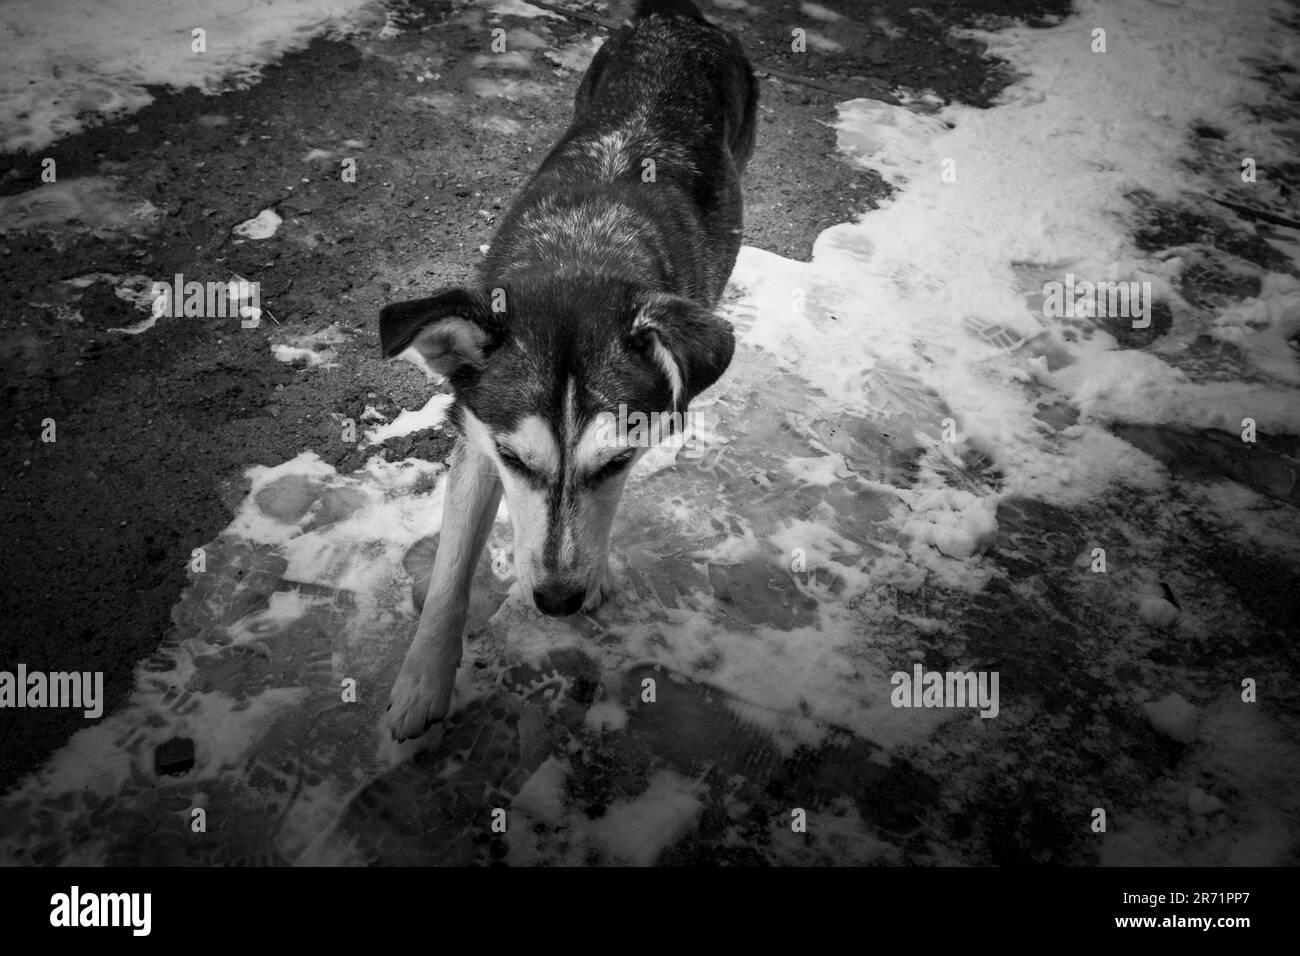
992,333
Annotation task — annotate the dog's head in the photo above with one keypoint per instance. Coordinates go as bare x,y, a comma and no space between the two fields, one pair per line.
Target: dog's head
540,368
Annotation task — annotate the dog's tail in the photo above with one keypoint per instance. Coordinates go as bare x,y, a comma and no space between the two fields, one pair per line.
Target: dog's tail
668,8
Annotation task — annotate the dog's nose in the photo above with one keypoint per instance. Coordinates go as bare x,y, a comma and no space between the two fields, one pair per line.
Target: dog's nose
558,600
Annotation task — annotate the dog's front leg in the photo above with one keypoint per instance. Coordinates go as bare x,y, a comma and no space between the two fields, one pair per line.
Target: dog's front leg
422,694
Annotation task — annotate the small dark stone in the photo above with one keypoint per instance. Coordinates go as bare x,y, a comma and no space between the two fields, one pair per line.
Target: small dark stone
584,689
176,756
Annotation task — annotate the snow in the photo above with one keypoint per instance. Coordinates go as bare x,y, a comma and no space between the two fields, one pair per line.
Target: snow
1174,717
636,831
294,355
818,12
576,56
943,251
605,716
1262,326
408,422
507,60
821,42
521,39
1202,803
1157,612
957,523
541,798
518,8
261,226
312,349
52,79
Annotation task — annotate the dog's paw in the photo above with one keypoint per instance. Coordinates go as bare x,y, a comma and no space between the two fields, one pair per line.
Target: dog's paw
598,595
421,696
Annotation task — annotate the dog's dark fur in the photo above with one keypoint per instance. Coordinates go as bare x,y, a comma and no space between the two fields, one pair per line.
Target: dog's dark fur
600,284
579,248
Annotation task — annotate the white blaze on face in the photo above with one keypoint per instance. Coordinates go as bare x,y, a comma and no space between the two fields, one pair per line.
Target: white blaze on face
588,513
577,531
588,449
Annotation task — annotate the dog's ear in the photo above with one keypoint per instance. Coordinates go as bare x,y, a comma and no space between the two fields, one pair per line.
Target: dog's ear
452,330
688,342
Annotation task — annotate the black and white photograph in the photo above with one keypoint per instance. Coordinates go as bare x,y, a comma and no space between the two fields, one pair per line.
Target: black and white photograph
651,433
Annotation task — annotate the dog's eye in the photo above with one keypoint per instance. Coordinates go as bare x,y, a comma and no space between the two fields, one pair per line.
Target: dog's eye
611,468
513,461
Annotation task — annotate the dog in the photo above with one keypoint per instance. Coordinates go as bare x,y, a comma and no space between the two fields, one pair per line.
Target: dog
597,290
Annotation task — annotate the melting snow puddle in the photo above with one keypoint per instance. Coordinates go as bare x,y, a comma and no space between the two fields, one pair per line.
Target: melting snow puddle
895,471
